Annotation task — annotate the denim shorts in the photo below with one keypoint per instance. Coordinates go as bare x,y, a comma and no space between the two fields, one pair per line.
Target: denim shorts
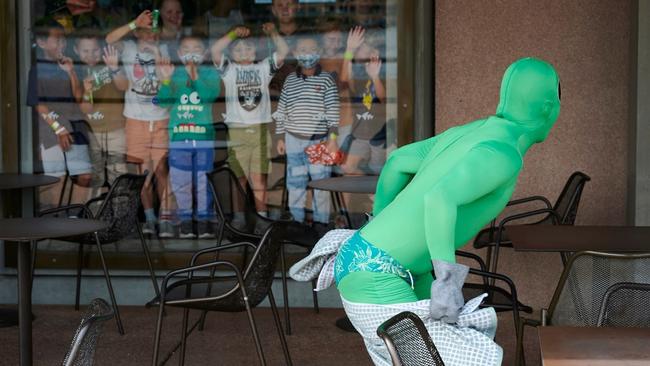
357,255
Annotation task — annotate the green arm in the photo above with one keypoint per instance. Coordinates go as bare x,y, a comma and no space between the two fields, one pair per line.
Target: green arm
401,166
485,168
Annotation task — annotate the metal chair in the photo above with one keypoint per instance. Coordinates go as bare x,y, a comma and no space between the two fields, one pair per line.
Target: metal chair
500,298
119,207
586,280
231,293
625,305
408,341
562,213
82,349
230,196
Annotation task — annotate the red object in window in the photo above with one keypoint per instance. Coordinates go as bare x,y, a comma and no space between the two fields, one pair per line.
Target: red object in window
318,154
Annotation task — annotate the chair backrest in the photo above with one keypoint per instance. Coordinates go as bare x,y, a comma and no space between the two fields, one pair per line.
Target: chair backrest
120,207
220,153
586,279
408,341
82,349
260,270
230,197
626,305
567,202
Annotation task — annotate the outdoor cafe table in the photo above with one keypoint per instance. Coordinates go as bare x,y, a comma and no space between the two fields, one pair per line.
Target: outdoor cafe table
590,346
22,181
11,182
26,231
346,184
569,238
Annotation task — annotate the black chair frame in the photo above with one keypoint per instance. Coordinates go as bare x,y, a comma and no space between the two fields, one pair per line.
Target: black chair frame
94,239
203,303
238,234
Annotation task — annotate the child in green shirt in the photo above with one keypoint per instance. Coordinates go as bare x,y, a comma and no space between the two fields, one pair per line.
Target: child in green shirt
190,91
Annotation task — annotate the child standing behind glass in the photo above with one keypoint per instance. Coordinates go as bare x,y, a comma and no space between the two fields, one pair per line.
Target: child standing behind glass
191,91
146,121
248,104
308,113
101,104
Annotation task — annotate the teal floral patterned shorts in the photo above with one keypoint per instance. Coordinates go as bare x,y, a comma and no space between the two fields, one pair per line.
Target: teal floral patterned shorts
358,255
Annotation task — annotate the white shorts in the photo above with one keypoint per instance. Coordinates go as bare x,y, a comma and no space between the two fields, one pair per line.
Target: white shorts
76,160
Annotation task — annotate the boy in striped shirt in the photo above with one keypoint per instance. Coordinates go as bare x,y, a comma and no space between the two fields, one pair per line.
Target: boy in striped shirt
307,114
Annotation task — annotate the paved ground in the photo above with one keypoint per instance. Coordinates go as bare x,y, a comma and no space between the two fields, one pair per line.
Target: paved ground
225,341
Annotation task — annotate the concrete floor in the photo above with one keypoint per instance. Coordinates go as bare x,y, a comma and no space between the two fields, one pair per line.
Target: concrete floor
225,341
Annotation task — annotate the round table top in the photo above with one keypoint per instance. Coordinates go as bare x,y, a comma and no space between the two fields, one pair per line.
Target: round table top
19,180
347,184
37,228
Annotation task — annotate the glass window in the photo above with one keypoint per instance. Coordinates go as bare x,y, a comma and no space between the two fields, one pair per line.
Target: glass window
282,92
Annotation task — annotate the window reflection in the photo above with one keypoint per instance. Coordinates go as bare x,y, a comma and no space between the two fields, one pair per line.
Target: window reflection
304,89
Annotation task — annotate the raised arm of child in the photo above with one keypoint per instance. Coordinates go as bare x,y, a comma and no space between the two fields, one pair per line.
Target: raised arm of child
356,37
373,69
66,64
281,46
222,43
165,71
111,58
142,21
332,108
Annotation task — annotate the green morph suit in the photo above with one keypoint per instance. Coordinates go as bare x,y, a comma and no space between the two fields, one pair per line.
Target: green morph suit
435,195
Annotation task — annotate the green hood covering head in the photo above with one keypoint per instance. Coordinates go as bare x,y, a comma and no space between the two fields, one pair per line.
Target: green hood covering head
530,94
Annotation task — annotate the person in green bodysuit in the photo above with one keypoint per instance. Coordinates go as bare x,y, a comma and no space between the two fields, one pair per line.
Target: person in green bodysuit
435,195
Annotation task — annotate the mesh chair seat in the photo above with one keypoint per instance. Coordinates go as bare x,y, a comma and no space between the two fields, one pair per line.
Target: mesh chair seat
499,299
234,293
408,341
586,280
84,342
625,305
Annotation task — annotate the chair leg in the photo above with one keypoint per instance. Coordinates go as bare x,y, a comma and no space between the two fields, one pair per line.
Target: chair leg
314,295
147,256
204,313
519,352
80,258
120,328
519,336
488,258
156,343
256,336
65,183
278,325
285,293
181,356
